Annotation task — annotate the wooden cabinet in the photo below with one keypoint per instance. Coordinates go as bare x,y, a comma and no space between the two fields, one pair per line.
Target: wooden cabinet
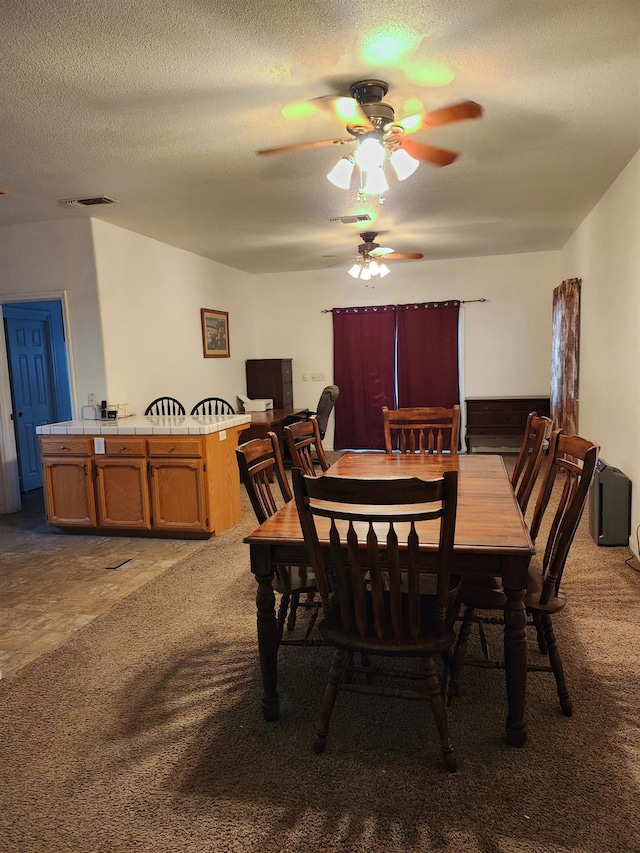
70,495
67,478
502,418
158,485
177,494
122,493
271,378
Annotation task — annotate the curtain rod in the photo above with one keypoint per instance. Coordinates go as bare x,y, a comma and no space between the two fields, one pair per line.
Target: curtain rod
461,301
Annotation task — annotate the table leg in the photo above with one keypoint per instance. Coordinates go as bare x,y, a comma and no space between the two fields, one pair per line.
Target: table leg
515,654
267,630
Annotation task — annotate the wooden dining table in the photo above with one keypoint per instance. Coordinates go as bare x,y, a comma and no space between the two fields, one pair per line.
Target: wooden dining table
491,539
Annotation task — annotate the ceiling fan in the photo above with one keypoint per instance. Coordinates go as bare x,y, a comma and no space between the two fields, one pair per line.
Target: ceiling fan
379,137
371,258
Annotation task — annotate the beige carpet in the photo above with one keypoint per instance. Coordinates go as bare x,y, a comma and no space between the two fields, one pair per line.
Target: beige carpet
144,733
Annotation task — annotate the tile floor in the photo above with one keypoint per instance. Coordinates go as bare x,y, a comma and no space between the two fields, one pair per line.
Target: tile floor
53,583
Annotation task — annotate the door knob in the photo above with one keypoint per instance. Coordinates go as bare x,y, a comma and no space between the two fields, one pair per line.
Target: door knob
19,414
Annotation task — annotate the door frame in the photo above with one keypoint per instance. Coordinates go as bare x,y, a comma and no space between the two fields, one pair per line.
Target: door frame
10,500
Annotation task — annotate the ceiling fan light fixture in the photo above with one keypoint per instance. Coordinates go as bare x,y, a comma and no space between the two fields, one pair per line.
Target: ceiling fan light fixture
355,271
403,163
374,269
383,270
365,275
340,175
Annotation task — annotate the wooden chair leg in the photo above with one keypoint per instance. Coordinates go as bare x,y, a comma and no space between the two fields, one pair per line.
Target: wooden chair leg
484,643
282,614
542,643
439,713
460,651
293,611
556,665
336,674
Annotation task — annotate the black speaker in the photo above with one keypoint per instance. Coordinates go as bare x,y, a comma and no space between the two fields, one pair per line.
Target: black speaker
610,505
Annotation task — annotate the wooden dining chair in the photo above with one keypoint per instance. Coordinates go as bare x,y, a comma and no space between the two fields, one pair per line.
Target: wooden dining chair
572,462
260,464
305,446
165,406
529,460
213,406
374,597
431,429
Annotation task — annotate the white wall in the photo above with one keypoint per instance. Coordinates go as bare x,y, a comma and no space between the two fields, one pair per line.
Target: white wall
605,253
150,300
506,341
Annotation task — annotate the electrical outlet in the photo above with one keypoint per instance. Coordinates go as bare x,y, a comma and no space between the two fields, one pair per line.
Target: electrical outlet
305,377
93,400
317,377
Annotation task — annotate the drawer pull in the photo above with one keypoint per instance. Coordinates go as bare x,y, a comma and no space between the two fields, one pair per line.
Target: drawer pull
62,447
171,449
122,449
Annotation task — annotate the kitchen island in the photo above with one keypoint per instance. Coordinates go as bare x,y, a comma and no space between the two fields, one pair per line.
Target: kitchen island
171,476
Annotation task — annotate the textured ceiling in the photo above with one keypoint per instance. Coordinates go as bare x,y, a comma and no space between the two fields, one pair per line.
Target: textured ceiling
162,106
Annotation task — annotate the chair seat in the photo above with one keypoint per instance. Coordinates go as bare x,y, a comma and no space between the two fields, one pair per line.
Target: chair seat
487,593
534,590
426,644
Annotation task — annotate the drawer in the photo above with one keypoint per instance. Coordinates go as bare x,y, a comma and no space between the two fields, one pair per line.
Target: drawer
65,445
124,446
175,446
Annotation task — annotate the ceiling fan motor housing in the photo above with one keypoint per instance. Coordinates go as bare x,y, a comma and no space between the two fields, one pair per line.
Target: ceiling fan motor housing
369,243
369,94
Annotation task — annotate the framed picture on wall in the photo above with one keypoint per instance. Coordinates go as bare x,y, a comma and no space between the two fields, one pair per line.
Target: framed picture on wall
215,333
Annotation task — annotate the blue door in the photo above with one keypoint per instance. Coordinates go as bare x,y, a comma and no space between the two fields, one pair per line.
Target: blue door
30,370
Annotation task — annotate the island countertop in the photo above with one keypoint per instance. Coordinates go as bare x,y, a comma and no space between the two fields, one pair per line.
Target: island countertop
147,425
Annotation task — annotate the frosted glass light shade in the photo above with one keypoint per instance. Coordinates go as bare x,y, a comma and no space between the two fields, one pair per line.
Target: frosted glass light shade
365,275
340,175
383,270
354,271
404,164
370,154
375,183
374,269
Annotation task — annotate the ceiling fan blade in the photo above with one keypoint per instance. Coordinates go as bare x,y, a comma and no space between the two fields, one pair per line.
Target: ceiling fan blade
404,256
381,250
446,115
428,153
302,145
345,110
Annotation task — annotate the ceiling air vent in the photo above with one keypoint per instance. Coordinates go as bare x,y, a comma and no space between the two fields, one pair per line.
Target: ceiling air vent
88,202
359,217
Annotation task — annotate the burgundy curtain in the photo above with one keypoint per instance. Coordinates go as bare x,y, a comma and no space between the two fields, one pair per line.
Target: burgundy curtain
364,371
428,354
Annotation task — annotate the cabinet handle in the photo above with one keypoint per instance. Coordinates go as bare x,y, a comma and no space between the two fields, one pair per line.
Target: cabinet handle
122,449
171,449
62,447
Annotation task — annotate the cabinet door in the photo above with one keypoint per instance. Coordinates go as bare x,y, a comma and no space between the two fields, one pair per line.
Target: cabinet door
69,492
178,494
123,493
